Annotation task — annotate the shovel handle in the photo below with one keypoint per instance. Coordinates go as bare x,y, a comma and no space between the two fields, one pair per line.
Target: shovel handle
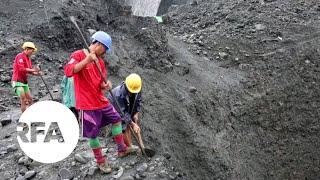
45,83
46,87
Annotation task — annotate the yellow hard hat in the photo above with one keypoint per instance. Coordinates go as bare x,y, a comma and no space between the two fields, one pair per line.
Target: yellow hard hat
29,45
133,83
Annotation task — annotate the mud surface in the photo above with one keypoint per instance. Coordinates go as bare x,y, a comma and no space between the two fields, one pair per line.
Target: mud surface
231,88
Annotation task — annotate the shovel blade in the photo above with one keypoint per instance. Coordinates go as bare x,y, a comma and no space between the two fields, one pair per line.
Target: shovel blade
149,152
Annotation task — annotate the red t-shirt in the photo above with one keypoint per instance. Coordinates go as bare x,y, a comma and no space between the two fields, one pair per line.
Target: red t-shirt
87,83
21,62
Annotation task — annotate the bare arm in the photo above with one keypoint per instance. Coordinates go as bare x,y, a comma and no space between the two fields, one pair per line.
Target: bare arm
79,66
31,70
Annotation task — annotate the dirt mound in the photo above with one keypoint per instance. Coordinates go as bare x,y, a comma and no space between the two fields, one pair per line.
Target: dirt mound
135,47
271,126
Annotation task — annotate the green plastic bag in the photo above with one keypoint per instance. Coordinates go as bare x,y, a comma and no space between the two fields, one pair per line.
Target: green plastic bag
68,97
159,19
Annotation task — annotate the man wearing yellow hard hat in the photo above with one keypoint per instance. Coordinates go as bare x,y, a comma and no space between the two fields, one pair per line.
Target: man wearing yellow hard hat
128,95
22,66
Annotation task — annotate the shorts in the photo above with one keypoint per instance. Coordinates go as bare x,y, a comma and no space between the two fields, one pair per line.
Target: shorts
20,88
94,120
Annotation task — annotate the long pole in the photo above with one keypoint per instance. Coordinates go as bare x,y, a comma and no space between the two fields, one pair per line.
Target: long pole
45,84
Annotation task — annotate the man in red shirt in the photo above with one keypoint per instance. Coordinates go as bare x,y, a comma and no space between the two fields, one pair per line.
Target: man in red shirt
95,109
22,66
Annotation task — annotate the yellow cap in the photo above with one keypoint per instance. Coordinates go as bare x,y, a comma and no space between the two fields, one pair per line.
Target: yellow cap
133,83
29,45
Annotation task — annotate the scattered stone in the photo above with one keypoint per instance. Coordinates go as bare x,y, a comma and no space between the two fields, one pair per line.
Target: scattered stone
260,27
194,3
92,170
30,174
143,175
23,170
172,177
91,31
18,155
87,155
123,164
7,136
132,163
5,122
127,166
20,178
111,150
244,66
3,152
151,168
23,160
6,175
223,54
73,163
80,159
2,167
200,43
12,148
42,174
65,174
5,79
105,150
119,173
142,168
162,173
160,164
193,89
127,178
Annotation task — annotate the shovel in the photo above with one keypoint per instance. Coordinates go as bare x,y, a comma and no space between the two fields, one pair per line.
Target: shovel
45,84
146,151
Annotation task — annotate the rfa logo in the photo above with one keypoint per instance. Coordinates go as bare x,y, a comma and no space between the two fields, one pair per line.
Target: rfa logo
48,132
35,131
